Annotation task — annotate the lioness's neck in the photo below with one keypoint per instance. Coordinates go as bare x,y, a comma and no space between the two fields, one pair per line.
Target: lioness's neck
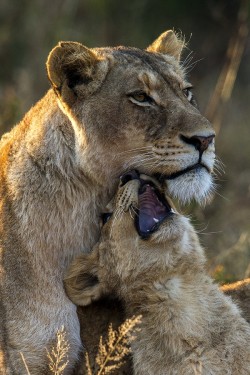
55,200
52,140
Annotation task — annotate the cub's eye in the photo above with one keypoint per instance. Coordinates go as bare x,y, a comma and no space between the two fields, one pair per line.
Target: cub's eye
187,91
105,217
141,98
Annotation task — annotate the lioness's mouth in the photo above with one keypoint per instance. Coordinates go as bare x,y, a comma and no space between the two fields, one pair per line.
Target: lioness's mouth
153,209
172,176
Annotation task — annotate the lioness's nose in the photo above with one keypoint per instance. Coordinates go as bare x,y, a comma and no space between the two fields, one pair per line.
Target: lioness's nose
199,142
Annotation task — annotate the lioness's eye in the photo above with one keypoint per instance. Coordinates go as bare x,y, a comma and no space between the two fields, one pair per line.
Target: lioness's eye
141,98
187,91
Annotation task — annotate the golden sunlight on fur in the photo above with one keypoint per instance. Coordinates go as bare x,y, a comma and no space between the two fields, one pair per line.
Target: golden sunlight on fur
109,110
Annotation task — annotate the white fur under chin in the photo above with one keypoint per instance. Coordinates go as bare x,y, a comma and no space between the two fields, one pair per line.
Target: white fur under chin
194,185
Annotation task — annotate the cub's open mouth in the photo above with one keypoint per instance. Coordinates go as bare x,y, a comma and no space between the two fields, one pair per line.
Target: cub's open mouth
153,209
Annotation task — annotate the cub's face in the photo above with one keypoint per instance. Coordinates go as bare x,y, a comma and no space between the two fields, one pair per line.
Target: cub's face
143,229
143,237
134,109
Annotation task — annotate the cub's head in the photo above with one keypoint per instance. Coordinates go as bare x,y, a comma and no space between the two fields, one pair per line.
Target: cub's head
143,239
133,108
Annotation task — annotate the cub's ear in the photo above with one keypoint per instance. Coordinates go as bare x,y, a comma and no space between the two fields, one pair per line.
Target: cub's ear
81,280
168,43
75,71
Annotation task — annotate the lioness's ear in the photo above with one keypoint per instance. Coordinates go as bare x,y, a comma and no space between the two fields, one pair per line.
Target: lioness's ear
168,43
75,71
81,280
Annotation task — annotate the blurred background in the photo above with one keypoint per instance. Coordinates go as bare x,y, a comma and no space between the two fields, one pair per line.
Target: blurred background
218,67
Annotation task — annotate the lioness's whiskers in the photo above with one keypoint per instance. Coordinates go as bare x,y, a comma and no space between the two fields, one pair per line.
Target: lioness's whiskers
133,150
140,158
218,159
154,165
209,233
189,68
216,178
220,195
219,166
146,156
188,58
141,162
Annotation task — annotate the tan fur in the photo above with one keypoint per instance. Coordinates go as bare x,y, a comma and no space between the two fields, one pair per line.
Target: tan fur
167,42
188,325
60,166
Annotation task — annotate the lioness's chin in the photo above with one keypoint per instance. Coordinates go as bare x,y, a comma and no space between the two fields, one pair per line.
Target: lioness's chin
194,185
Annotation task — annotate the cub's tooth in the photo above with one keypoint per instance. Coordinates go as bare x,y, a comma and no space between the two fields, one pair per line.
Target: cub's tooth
150,178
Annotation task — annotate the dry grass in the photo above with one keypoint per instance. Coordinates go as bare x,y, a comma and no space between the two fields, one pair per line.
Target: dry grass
25,364
58,354
111,354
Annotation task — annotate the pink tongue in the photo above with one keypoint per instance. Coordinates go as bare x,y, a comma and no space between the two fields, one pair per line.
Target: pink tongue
151,210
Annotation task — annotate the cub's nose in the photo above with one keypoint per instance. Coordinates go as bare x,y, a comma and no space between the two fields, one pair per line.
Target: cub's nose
200,143
132,175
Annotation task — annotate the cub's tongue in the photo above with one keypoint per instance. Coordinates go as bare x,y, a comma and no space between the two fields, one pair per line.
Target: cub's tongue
153,209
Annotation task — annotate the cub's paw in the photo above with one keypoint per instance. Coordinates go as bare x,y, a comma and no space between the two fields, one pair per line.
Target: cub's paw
81,280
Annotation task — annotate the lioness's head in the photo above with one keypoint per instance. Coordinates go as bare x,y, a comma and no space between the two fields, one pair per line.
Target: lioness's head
143,239
133,108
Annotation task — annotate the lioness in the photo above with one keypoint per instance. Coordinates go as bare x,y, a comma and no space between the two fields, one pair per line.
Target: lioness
150,257
109,110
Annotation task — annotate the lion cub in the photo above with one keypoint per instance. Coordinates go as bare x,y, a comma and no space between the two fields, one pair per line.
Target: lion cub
150,257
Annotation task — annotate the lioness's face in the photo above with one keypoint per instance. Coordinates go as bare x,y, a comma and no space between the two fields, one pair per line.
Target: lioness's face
138,111
158,129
